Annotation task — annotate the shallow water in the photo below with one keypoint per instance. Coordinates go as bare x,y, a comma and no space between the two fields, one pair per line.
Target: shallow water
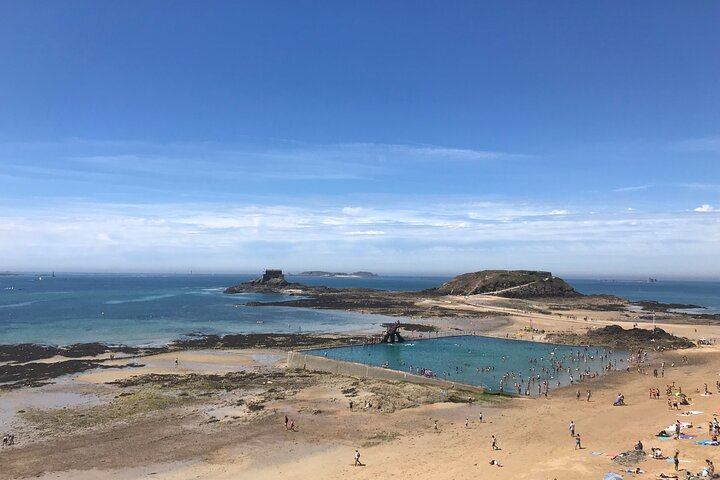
150,310
459,358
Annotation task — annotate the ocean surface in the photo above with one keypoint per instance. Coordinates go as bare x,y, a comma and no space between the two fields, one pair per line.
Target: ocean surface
156,309
704,294
152,309
466,359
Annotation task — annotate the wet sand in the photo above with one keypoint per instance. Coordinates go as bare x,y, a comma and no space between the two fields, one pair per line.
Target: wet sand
216,424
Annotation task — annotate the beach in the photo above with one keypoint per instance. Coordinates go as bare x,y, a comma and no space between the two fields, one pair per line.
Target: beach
190,414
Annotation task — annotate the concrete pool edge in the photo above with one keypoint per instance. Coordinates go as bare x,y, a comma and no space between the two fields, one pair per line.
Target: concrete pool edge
305,361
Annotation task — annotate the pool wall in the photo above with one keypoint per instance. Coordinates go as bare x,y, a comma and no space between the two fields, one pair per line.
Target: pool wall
304,361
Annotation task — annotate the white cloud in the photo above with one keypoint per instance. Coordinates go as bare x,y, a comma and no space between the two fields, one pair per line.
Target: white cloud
705,208
366,232
352,210
559,212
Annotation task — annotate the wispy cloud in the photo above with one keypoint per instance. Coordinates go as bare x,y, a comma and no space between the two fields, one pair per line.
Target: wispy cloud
430,236
698,145
632,189
287,160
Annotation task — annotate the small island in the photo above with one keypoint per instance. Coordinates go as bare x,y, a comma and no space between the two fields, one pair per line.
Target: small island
321,273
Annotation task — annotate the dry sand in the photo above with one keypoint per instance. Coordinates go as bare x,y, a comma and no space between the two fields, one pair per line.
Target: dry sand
178,442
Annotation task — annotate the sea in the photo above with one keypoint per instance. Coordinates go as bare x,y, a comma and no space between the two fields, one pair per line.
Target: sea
127,309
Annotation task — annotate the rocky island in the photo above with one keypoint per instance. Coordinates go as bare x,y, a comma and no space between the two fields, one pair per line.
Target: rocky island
489,284
321,273
508,284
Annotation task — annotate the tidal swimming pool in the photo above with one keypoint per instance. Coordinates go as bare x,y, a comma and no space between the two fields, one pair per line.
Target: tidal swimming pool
498,364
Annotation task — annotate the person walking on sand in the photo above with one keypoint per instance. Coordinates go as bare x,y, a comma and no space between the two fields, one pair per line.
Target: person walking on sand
572,428
577,442
589,394
676,460
467,422
481,417
435,427
357,458
494,443
286,422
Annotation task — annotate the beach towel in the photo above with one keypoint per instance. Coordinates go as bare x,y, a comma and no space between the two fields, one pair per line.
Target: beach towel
709,443
683,426
595,453
664,438
670,460
612,476
687,437
690,412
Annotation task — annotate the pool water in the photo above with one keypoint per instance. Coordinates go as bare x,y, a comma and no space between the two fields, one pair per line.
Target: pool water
487,361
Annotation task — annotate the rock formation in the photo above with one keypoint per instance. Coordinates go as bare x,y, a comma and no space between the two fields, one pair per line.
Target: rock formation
508,283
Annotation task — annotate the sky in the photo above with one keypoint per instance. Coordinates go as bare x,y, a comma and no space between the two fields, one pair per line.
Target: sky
399,137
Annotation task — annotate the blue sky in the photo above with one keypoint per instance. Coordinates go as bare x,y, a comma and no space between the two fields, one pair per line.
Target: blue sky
399,137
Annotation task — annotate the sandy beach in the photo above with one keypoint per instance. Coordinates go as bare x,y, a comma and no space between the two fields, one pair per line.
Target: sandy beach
188,414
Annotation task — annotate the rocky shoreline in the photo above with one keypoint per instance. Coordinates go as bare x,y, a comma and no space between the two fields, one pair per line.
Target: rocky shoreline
32,365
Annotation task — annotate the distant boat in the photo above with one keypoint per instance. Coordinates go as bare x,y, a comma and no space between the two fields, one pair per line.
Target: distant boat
259,321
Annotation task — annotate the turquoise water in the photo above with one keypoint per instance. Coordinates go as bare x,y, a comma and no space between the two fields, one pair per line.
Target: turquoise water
156,309
485,361
149,310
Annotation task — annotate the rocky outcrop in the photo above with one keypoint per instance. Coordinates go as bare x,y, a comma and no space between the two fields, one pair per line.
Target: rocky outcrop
272,281
509,284
617,337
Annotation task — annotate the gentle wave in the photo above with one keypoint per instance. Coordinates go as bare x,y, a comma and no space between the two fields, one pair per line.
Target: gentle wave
149,298
21,304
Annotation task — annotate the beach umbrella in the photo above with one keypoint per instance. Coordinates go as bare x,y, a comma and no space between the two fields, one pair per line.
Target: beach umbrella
612,476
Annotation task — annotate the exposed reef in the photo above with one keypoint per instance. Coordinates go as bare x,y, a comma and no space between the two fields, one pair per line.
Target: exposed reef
618,337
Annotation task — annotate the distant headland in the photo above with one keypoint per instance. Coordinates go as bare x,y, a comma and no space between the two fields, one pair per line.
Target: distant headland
321,273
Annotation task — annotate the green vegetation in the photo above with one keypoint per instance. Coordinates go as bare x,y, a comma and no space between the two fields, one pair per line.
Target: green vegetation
508,283
380,437
123,407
